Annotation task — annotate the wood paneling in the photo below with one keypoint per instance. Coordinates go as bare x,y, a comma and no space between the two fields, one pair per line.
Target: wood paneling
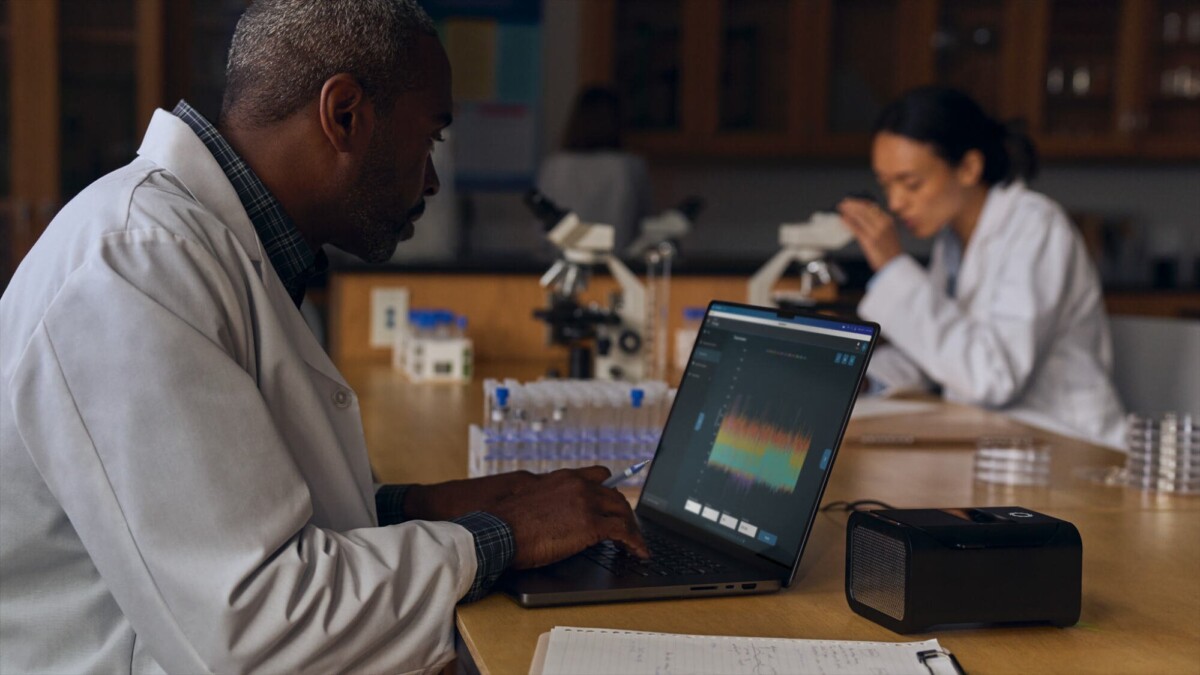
700,71
500,308
151,59
596,42
34,122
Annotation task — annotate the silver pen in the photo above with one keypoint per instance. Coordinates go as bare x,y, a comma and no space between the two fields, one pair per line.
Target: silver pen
614,481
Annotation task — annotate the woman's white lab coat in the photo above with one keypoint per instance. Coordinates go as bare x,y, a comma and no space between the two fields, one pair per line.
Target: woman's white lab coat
1026,331
185,484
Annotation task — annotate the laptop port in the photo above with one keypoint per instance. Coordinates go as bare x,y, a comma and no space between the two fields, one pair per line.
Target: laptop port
704,588
749,587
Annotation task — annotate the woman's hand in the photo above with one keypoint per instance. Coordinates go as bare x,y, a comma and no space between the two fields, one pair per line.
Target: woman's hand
874,229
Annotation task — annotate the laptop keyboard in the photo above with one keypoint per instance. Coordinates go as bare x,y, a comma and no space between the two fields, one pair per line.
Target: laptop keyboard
667,558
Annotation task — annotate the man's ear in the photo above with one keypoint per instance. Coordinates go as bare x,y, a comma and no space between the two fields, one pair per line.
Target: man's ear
970,169
347,115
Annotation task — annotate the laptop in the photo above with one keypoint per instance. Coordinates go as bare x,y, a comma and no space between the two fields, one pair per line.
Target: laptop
740,468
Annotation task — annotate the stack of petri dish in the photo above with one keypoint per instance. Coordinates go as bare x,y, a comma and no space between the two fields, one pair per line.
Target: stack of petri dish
1164,453
1012,461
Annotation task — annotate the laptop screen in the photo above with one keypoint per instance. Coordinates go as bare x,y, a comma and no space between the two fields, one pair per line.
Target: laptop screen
755,425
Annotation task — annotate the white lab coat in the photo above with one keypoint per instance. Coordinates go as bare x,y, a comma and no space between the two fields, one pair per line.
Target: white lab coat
185,485
1026,332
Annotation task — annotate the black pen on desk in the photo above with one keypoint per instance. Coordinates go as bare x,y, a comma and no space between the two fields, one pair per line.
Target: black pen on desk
614,481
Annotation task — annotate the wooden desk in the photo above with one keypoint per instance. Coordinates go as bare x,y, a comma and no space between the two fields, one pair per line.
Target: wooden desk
1141,565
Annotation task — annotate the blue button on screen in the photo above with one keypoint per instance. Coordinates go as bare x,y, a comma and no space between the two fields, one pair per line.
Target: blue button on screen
825,458
767,538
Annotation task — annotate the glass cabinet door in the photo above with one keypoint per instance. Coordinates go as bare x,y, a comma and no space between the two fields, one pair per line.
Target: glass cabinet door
1081,57
5,104
1172,83
6,205
969,47
647,69
98,89
754,66
863,77
200,32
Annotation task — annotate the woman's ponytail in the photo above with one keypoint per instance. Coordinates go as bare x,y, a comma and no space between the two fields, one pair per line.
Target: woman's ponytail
954,124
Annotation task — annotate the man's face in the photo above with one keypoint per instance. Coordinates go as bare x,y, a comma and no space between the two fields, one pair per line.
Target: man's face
397,172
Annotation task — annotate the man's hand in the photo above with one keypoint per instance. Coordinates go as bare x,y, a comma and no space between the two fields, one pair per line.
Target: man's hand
449,500
874,229
561,513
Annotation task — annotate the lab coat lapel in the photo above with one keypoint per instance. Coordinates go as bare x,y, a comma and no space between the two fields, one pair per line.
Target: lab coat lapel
298,331
172,144
973,270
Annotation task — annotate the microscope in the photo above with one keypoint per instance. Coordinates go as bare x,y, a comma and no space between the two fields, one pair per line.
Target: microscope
608,338
657,246
664,230
808,244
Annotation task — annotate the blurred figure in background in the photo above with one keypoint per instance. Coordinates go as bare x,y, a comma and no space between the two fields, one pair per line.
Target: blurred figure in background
1009,314
592,175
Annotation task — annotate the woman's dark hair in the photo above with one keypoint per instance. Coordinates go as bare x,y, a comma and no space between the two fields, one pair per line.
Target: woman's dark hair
954,124
595,122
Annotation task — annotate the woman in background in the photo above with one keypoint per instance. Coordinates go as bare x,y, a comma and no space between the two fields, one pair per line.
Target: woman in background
592,175
1009,315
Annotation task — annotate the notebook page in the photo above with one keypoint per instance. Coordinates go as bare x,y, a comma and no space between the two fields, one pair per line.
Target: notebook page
595,651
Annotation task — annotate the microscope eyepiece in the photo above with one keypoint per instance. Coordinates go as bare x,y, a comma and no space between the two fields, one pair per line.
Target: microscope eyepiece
544,209
691,207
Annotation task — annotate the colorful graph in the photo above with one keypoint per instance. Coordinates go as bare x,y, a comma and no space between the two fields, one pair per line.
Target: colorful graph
754,451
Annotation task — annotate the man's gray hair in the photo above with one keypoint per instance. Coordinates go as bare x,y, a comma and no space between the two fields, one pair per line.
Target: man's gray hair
284,50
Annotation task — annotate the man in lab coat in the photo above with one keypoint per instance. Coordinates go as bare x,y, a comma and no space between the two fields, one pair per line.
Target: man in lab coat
185,485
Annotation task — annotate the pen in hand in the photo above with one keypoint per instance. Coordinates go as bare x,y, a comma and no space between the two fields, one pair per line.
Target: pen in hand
614,481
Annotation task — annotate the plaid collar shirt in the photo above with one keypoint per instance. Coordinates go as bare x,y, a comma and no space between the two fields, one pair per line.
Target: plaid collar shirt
290,255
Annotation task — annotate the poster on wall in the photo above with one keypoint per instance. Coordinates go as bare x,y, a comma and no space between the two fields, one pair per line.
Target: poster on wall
494,48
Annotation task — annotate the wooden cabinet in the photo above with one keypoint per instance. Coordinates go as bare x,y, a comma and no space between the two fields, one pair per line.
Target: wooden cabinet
1166,110
81,79
806,78
6,210
84,79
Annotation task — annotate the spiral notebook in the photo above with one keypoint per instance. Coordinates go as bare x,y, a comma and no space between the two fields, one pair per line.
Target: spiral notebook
596,651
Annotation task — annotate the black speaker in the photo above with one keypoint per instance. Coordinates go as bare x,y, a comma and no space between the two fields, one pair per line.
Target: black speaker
912,569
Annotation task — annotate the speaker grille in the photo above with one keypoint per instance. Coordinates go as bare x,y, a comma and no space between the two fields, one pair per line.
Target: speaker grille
877,571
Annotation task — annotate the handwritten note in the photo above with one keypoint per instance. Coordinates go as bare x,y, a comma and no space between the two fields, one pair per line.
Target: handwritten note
595,651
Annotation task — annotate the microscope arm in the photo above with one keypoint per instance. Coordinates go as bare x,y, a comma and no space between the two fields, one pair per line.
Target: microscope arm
765,278
633,293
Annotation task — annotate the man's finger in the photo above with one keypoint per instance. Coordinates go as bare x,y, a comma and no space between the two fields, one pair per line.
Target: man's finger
594,474
625,534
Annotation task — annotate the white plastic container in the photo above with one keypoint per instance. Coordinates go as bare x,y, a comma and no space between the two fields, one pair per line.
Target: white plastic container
437,349
685,336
